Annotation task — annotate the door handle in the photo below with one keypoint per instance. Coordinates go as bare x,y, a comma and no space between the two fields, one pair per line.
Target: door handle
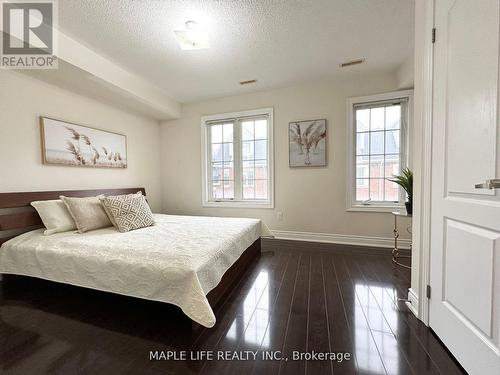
489,184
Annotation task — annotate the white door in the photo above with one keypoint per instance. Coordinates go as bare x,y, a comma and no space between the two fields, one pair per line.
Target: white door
465,222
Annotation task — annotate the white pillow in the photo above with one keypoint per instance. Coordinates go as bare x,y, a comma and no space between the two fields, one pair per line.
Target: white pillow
55,216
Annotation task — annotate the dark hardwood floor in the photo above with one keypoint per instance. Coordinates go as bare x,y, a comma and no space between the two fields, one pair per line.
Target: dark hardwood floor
298,297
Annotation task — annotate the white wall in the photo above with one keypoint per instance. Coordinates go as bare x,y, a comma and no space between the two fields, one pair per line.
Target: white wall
406,74
312,200
23,99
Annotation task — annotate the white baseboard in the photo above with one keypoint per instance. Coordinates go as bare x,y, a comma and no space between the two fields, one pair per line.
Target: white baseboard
340,239
412,303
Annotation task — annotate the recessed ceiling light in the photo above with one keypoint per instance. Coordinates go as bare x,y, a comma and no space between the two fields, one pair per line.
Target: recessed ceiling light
193,37
352,62
248,82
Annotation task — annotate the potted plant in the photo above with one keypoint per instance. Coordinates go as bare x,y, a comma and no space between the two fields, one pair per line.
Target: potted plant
405,180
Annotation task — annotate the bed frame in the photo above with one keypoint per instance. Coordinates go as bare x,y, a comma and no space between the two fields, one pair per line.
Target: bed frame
17,217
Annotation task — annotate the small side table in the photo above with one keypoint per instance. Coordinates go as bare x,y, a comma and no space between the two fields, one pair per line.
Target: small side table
395,252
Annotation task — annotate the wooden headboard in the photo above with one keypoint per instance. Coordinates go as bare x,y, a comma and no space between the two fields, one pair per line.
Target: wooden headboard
17,216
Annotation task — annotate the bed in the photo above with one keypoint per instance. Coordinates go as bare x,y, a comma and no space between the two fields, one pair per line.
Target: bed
187,261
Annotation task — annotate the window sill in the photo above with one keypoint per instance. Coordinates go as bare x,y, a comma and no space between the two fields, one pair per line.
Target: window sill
239,204
375,208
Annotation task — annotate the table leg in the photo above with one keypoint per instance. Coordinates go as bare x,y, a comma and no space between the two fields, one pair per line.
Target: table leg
395,251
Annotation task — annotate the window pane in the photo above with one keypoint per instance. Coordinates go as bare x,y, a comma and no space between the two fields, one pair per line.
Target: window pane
377,143
362,167
248,173
393,117
217,152
377,118
377,166
362,120
261,189
260,149
228,189
248,190
247,130
261,170
391,191
248,176
392,142
362,193
228,171
248,164
392,166
228,152
247,150
377,189
216,172
261,129
216,131
228,132
362,145
217,191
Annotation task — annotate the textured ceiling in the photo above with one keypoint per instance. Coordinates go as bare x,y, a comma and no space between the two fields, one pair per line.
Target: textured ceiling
277,42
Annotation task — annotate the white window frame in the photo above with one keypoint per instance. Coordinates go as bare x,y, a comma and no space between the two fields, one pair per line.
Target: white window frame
405,150
206,160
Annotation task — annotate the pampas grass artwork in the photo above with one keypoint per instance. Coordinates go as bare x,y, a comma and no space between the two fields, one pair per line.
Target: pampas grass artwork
307,143
69,144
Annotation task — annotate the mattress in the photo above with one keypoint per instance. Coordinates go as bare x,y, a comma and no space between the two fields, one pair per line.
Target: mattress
177,261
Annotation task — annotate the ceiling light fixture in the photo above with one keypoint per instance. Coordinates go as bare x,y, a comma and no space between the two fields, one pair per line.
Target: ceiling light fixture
352,62
193,37
191,25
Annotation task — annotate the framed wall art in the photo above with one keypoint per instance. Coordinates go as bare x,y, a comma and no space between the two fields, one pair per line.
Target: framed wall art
65,143
307,143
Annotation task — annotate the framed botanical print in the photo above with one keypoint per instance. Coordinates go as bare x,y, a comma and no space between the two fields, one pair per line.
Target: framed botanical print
307,143
65,143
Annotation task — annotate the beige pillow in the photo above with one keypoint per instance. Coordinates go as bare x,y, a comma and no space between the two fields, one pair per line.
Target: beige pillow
110,215
129,212
55,216
87,213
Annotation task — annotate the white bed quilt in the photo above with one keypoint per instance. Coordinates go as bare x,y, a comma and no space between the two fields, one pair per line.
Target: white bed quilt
177,261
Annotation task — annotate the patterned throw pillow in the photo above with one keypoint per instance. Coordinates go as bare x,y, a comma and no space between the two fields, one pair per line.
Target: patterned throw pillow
129,212
123,196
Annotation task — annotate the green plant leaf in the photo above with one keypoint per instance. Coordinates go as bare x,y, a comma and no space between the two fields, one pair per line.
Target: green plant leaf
405,180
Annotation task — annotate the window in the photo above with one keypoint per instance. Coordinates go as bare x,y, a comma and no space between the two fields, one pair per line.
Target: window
378,149
237,159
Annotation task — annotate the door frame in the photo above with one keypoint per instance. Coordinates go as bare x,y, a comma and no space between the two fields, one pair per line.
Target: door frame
423,97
